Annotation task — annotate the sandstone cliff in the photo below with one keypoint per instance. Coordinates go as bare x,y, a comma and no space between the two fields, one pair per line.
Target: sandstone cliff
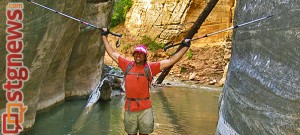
261,94
262,90
170,20
164,20
64,58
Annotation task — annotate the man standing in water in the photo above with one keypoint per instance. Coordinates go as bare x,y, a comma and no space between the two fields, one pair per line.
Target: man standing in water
138,116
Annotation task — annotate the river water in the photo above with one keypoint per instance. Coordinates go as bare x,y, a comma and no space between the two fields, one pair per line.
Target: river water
177,111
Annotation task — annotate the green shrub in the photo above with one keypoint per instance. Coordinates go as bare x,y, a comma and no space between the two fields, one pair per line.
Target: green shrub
189,54
183,70
151,44
124,48
120,10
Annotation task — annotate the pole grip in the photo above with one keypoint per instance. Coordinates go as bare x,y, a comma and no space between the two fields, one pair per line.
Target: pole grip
116,34
170,46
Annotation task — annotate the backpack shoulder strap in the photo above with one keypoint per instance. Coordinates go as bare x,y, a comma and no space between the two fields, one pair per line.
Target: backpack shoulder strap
147,71
129,66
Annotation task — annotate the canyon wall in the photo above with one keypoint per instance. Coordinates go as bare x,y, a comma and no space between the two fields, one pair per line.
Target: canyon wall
167,20
64,57
262,90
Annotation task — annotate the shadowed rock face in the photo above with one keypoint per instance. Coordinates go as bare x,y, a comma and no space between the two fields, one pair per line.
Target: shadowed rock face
262,90
64,57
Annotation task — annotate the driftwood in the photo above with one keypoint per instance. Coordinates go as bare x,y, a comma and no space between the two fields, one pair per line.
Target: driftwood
209,7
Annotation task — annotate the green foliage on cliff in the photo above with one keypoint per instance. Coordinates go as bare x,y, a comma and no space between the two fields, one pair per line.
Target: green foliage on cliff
151,44
125,48
120,10
189,54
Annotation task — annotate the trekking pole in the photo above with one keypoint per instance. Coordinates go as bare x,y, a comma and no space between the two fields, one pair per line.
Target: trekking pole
71,17
216,32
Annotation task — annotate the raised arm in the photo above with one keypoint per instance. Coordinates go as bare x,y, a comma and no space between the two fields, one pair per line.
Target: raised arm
176,57
108,47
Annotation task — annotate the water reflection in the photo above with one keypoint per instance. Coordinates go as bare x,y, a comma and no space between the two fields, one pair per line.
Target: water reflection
185,111
177,110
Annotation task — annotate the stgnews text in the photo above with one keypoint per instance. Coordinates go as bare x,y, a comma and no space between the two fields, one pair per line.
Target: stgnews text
16,73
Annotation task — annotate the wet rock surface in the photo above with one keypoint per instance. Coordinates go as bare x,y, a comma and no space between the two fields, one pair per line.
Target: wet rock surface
105,90
112,85
262,90
64,57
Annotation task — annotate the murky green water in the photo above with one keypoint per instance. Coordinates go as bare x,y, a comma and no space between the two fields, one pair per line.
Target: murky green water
177,111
